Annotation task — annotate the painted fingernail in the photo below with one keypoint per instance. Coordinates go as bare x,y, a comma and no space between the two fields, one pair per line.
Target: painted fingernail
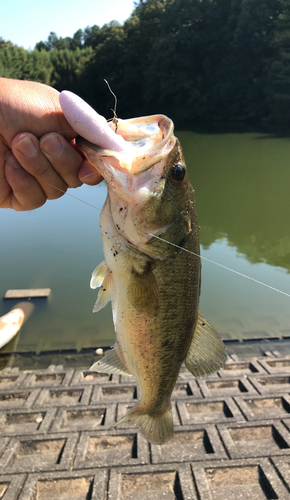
26,148
52,145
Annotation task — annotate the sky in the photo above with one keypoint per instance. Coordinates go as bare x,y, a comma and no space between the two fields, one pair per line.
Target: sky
26,22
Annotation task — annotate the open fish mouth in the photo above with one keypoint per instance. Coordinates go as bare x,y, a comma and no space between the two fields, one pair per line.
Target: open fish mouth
148,139
136,144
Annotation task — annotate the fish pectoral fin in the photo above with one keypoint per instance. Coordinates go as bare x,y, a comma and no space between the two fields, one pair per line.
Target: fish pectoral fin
98,275
104,295
207,352
143,292
111,362
157,428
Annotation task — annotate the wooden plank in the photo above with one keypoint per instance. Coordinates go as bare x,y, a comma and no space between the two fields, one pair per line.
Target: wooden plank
33,293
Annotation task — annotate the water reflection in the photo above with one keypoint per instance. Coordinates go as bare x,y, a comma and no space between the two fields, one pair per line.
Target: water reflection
242,191
242,308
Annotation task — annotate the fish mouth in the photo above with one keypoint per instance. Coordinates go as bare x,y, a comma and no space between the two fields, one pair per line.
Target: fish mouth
149,140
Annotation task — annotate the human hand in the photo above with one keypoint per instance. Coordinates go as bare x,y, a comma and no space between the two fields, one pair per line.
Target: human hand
38,164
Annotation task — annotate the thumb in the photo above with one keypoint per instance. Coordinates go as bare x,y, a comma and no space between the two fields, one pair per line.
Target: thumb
88,174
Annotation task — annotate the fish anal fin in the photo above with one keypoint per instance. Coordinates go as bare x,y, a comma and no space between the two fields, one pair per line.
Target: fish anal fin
104,295
98,275
111,362
156,428
143,292
207,352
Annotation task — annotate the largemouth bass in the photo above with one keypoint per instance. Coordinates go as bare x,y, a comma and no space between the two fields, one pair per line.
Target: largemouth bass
151,271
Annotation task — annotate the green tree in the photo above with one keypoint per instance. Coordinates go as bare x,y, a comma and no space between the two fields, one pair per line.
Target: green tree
278,83
93,36
177,63
141,32
16,62
104,64
5,43
77,40
242,75
59,43
68,68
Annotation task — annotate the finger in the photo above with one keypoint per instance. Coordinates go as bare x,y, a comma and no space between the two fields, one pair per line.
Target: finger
25,148
63,157
5,189
33,107
25,192
88,174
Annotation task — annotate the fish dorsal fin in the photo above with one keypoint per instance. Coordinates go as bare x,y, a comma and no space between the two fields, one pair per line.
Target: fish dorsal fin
98,275
111,362
104,295
207,352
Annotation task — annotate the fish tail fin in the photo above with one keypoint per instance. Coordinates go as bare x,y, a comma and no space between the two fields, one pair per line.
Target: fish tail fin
156,428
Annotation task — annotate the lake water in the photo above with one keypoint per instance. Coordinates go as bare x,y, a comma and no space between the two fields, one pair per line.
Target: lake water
242,193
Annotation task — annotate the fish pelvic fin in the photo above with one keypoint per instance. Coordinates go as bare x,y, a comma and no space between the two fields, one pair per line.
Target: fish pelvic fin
104,295
207,352
98,275
111,362
156,428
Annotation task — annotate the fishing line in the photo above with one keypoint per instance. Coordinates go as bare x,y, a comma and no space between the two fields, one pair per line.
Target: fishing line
221,265
72,196
185,249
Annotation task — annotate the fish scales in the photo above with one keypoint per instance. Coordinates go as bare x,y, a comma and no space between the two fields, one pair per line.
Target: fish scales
154,286
151,342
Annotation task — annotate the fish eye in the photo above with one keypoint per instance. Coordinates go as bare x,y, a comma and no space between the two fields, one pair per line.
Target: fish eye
178,171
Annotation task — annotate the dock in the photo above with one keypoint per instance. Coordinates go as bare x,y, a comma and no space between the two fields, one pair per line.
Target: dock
31,293
231,441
